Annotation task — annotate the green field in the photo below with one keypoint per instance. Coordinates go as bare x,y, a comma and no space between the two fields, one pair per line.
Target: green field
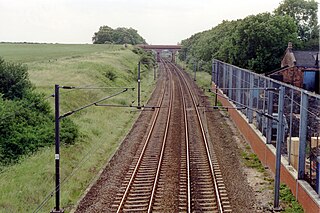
25,185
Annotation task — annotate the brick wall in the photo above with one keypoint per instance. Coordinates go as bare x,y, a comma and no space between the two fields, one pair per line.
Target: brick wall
293,76
266,153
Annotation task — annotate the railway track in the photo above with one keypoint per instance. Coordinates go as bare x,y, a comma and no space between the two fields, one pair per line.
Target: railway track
174,170
206,190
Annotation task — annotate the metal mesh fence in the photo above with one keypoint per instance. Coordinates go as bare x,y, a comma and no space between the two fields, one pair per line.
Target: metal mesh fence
257,97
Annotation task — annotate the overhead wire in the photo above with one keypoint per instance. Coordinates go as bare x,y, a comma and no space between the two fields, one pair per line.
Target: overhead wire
300,106
83,160
67,178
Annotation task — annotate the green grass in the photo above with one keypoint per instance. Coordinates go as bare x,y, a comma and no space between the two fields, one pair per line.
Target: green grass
286,196
251,160
203,80
24,186
49,52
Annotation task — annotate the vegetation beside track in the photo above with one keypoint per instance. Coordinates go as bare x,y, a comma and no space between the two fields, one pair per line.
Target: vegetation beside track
25,185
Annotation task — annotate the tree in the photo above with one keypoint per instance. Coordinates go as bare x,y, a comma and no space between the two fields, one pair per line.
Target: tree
304,12
256,42
121,35
259,41
14,82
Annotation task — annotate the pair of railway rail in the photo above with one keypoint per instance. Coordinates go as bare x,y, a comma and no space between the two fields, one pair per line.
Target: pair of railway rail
174,170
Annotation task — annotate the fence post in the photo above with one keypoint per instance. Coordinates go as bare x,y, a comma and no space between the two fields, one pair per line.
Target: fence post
302,134
217,82
243,92
238,85
318,176
263,119
251,96
280,138
224,73
270,111
213,71
230,82
290,130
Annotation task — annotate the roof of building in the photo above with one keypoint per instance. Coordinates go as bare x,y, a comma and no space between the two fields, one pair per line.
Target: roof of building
306,58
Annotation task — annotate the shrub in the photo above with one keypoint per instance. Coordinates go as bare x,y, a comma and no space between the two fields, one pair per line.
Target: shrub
26,119
110,75
14,81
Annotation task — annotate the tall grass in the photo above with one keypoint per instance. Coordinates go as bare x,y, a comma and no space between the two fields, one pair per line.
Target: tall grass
25,185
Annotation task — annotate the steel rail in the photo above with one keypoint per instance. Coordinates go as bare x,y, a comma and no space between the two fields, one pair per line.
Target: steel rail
163,144
220,207
142,153
187,150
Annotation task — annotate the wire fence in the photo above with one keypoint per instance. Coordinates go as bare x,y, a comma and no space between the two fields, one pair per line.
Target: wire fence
257,97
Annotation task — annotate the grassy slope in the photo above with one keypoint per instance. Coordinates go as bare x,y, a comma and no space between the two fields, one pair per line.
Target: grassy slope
24,186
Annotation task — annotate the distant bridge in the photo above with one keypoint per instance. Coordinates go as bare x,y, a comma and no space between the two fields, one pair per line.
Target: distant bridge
159,48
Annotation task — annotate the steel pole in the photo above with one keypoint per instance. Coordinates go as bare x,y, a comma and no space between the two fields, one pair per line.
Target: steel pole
194,69
303,134
318,176
280,138
217,83
139,84
270,111
290,130
57,149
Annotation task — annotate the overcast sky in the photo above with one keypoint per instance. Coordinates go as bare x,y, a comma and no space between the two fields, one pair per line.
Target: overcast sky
158,21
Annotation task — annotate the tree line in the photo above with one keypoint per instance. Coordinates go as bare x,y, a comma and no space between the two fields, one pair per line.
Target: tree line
256,42
120,35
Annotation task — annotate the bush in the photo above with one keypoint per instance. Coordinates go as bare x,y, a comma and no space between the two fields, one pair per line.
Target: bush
26,119
146,57
14,81
26,125
110,75
69,132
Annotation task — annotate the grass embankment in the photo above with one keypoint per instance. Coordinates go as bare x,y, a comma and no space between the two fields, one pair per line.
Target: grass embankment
25,185
250,159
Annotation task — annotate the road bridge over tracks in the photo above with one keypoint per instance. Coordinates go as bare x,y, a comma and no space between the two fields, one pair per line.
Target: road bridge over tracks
159,48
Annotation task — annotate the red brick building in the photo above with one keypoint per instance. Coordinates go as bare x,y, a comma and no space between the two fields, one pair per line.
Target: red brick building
300,68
